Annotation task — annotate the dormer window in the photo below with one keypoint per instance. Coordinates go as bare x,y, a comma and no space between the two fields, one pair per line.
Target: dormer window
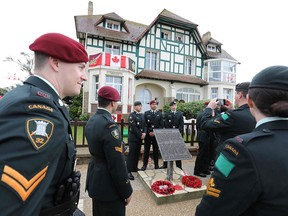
113,25
211,48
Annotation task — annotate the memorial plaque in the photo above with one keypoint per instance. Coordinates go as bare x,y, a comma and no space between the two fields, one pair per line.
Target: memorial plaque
171,144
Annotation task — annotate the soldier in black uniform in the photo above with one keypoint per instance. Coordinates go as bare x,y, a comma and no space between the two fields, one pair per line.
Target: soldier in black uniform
174,119
153,119
205,143
232,122
107,178
36,148
136,135
251,174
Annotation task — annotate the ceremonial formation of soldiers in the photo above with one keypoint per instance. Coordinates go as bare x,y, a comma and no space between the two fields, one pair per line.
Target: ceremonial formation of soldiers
242,145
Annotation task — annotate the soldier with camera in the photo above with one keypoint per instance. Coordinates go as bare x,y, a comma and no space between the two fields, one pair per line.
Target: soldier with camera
233,122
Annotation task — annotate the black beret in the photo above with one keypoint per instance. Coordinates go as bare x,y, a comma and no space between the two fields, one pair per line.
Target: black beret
274,77
136,103
109,93
61,47
173,103
242,87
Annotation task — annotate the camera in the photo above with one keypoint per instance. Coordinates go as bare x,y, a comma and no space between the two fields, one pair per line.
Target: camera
221,102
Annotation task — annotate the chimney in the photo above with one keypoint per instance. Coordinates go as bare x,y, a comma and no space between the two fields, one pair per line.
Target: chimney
90,8
206,37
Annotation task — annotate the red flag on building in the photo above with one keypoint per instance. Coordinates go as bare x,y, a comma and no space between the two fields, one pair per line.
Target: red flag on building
95,60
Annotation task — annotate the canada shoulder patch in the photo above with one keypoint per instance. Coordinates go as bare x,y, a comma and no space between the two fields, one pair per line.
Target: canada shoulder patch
39,131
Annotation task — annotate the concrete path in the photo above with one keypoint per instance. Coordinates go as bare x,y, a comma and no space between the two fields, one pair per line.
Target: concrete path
142,203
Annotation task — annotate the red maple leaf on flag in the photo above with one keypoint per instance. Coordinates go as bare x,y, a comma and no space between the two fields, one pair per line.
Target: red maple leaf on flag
115,59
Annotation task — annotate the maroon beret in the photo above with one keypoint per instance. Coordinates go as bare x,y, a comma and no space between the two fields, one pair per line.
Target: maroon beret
153,101
109,93
61,47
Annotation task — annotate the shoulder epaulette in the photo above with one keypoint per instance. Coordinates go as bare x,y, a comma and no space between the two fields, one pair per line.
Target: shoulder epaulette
245,138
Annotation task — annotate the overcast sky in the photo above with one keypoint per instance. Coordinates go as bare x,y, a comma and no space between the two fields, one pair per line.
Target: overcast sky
254,32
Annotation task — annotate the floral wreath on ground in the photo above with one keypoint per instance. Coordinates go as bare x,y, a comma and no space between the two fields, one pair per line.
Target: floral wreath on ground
191,181
163,187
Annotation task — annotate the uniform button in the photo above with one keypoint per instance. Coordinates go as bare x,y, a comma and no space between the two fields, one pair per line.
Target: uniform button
266,131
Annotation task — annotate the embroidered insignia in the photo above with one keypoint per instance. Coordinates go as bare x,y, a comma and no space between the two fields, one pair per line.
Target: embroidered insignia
224,116
40,106
119,149
227,146
39,131
21,185
112,125
224,165
238,139
217,121
43,94
115,134
211,190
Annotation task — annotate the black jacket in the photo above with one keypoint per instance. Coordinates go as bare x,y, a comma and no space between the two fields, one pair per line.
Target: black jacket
250,175
36,148
136,126
107,176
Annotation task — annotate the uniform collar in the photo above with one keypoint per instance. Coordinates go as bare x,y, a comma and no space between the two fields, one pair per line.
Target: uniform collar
269,119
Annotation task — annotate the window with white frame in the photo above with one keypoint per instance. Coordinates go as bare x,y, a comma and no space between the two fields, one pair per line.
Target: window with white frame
228,94
165,35
96,86
112,48
211,48
214,93
188,94
116,82
179,37
151,60
229,72
190,66
113,25
215,71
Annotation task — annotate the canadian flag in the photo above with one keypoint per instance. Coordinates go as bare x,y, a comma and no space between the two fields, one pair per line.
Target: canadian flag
115,60
117,117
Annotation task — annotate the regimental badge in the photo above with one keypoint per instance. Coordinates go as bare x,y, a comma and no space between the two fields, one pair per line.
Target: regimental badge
39,131
115,134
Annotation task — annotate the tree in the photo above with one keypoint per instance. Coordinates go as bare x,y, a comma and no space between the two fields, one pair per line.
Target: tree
27,65
75,107
190,110
2,91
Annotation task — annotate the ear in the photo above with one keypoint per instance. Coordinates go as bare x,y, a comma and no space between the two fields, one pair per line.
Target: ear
54,63
249,101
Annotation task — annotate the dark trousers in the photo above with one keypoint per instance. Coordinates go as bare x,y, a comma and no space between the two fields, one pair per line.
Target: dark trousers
147,145
111,208
133,156
202,159
178,164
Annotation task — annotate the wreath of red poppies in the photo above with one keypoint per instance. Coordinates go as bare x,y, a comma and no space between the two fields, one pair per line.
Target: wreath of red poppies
163,187
191,181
